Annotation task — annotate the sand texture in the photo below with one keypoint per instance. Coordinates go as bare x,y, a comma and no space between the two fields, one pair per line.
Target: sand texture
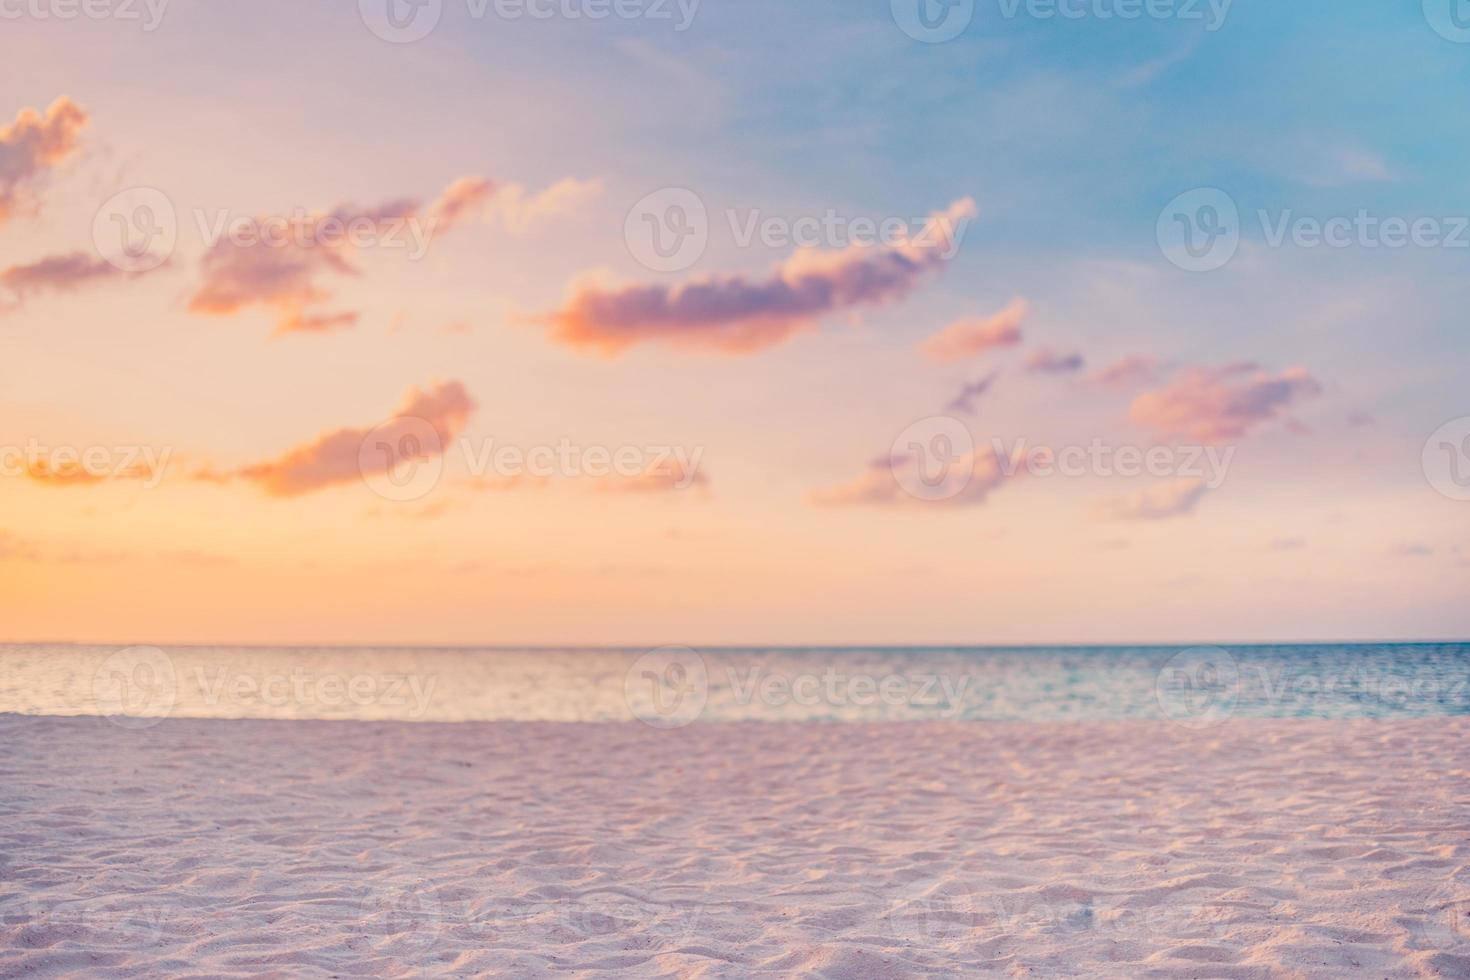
1125,849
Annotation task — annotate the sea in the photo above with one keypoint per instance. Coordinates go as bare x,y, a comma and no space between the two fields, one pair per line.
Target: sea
673,686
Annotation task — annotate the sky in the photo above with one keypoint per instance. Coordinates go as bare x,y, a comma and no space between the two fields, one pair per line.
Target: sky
574,322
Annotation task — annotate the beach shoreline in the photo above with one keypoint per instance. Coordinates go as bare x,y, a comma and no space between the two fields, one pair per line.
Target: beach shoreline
1252,848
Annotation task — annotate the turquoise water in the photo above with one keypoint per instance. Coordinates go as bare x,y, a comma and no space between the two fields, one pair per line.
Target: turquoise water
673,686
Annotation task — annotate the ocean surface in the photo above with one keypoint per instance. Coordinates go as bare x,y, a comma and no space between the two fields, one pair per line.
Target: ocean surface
673,686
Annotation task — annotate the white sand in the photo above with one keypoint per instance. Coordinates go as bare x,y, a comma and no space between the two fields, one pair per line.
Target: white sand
248,848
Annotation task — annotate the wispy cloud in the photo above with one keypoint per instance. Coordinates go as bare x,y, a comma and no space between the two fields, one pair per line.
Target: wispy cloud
287,275
964,401
1157,502
892,481
1217,404
975,335
55,273
1134,369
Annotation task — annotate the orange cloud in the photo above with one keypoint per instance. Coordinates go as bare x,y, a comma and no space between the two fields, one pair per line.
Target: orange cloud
338,456
1217,404
975,335
736,314
32,145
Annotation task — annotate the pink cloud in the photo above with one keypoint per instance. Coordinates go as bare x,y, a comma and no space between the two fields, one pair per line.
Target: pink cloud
338,457
516,207
890,481
975,335
1048,361
1157,502
1217,404
964,401
1132,370
284,271
737,314
56,273
283,275
32,145
461,200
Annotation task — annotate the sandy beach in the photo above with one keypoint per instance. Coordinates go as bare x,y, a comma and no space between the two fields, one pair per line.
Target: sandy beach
1129,849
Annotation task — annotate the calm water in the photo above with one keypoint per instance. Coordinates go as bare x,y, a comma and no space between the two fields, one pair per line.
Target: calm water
671,686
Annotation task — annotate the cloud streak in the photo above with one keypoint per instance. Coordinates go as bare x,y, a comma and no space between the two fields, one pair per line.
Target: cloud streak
975,335
55,273
738,314
1158,502
341,456
1048,361
908,480
286,272
1221,403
